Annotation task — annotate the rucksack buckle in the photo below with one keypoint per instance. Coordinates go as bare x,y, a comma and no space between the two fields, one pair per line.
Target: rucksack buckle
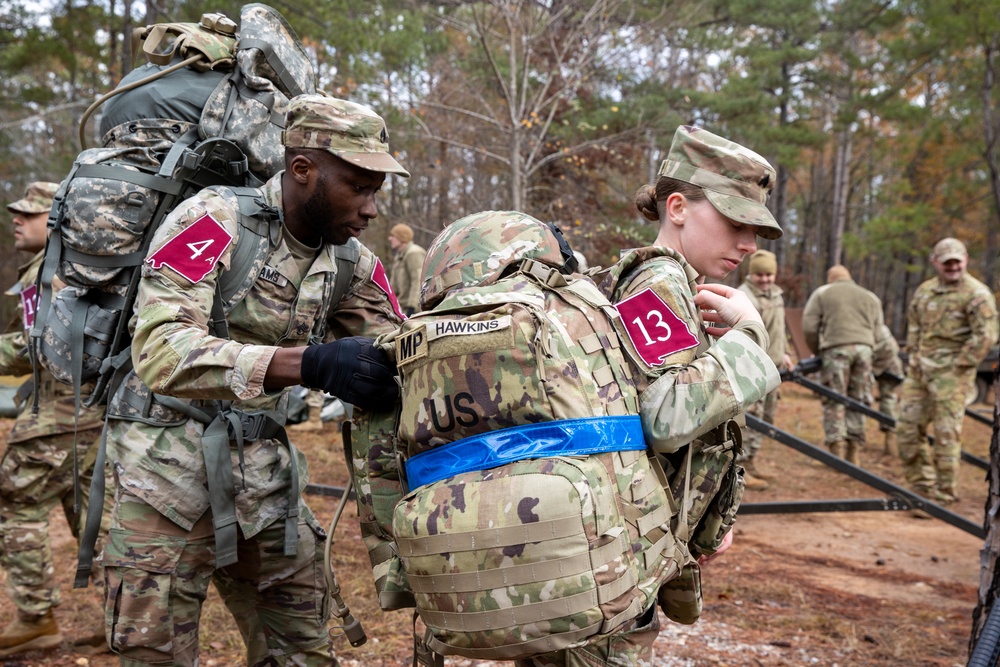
252,425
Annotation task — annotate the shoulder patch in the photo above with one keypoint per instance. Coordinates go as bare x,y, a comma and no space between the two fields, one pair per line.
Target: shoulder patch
195,250
382,281
655,330
29,299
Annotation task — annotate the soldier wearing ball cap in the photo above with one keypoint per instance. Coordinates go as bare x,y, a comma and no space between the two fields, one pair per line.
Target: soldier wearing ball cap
37,472
951,325
709,200
261,546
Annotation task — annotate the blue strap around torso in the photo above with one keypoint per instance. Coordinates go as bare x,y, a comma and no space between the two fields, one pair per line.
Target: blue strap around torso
566,437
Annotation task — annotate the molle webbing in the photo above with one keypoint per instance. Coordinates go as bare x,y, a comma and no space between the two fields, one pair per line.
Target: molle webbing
513,575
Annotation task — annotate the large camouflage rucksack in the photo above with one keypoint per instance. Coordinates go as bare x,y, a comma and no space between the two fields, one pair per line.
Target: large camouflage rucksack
208,109
534,519
702,474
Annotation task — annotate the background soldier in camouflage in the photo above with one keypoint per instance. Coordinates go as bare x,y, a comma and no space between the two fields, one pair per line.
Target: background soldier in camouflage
840,321
407,267
709,201
952,323
887,368
161,554
767,298
36,474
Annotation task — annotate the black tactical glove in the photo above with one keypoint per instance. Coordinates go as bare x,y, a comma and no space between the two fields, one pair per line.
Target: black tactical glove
352,369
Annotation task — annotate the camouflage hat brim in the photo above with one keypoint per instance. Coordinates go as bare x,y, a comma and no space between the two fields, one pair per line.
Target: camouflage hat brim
28,207
747,212
382,162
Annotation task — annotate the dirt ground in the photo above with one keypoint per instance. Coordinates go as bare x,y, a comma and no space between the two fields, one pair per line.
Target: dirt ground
846,589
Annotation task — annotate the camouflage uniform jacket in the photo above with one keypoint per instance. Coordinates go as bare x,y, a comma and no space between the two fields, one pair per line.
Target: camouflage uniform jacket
406,274
951,325
771,305
841,313
56,404
175,355
698,386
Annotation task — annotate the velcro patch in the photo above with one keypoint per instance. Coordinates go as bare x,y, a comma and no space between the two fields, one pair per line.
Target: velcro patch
195,251
654,328
272,275
382,281
442,328
29,299
411,346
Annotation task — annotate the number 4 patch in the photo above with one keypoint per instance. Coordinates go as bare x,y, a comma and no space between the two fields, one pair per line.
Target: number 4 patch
654,328
195,251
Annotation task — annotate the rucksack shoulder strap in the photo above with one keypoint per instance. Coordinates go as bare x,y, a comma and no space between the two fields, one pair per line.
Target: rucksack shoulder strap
347,257
260,225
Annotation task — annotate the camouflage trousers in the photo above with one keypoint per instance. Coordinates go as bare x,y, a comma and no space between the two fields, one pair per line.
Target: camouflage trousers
888,401
940,400
847,370
764,409
633,645
157,577
36,475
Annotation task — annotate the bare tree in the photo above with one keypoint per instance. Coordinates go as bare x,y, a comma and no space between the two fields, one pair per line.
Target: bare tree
528,63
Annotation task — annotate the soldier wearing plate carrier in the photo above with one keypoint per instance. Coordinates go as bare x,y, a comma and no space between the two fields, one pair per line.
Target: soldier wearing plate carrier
709,200
40,464
208,486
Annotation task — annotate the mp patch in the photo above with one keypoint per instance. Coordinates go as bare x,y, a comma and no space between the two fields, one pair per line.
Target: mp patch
382,281
654,328
195,251
411,346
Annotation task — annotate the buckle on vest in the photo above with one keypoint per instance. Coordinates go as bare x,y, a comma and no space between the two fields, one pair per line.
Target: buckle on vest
252,425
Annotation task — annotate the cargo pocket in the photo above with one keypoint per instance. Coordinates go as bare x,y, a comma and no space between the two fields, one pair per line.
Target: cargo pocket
140,618
25,471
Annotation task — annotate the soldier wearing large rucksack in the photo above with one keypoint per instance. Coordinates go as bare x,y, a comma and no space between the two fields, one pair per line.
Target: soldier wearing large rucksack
535,523
208,485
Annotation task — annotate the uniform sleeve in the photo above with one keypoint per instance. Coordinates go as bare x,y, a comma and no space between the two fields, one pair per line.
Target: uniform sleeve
414,264
982,316
692,392
810,323
14,354
172,350
913,327
366,309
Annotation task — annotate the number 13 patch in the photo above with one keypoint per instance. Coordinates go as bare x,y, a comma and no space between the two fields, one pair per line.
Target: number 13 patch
195,251
654,328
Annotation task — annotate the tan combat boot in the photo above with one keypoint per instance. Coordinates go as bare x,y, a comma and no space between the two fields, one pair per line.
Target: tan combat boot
853,454
891,448
30,633
837,448
313,424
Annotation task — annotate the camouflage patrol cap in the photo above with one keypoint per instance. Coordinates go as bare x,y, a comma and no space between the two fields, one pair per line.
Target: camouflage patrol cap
349,130
736,180
477,249
37,198
949,248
